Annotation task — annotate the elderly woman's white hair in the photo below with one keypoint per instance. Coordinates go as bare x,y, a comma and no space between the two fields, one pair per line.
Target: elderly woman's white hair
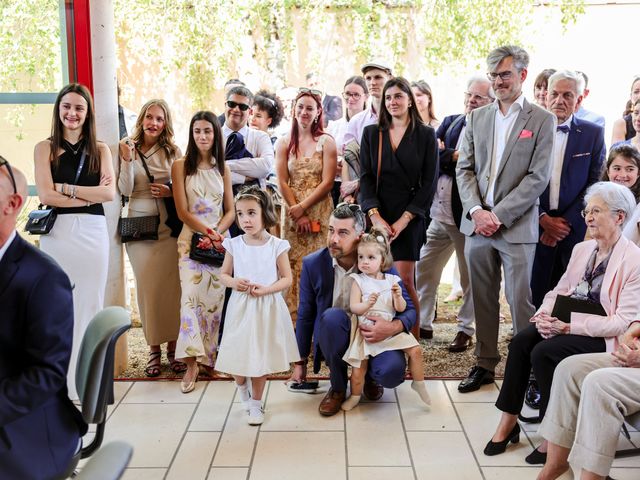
617,197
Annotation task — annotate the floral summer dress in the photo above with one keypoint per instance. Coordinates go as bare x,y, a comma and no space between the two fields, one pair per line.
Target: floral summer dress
305,174
202,293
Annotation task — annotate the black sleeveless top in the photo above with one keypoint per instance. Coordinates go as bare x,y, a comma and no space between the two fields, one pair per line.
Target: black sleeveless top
68,164
631,132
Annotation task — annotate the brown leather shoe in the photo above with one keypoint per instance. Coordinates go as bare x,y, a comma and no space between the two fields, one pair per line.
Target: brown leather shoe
461,342
426,334
372,390
330,404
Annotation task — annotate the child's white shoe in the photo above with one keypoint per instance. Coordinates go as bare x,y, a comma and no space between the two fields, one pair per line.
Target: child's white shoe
350,402
420,387
256,412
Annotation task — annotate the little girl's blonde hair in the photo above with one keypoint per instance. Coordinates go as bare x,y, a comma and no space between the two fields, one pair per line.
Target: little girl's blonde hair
378,238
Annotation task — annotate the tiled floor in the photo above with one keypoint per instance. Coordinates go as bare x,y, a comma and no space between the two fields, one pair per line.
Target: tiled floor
204,435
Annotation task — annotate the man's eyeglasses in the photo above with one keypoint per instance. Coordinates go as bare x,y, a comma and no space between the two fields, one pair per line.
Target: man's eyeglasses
312,91
242,106
4,161
470,95
348,95
506,75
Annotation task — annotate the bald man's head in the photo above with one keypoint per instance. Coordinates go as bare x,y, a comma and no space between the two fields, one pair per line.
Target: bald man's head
10,203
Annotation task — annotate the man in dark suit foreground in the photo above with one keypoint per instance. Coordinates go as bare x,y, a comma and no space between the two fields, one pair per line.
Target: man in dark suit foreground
39,426
323,314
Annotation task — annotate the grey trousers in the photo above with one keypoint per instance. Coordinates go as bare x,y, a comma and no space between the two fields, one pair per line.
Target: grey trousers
589,399
485,256
442,240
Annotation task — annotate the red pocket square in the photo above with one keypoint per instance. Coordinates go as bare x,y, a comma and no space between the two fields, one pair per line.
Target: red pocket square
526,134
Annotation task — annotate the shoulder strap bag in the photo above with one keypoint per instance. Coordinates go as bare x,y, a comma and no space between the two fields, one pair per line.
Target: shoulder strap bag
134,229
41,220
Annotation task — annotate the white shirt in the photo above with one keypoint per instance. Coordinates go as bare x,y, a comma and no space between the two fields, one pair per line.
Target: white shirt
5,247
502,129
441,207
358,123
559,147
338,129
342,285
259,144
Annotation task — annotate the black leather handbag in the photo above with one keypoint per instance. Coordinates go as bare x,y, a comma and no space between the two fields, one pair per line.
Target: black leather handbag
210,256
134,229
41,220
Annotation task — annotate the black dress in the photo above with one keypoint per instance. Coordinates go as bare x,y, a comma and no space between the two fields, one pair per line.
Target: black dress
407,182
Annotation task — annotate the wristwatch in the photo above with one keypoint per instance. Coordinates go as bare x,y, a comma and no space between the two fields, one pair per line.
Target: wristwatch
372,212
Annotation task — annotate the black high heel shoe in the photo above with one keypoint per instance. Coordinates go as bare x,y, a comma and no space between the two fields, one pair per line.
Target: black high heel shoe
496,448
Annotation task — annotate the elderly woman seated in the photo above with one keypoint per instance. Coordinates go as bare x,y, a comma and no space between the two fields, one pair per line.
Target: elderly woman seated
603,274
591,395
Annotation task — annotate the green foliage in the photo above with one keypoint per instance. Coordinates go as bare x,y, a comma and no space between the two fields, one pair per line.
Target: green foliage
30,57
202,42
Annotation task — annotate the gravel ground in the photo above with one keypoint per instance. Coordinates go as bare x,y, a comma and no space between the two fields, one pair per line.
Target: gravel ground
438,361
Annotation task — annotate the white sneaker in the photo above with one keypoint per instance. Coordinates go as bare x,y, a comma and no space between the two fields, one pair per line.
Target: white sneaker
256,413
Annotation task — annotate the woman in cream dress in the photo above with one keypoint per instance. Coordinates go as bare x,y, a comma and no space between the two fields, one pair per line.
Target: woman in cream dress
154,262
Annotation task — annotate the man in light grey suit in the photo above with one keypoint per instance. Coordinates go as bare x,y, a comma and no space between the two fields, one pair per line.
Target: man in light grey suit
503,168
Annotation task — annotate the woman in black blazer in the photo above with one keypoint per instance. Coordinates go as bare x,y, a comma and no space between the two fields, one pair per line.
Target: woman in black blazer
397,191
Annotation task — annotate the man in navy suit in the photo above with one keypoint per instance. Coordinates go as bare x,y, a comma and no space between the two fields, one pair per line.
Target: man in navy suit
443,234
39,426
323,318
578,155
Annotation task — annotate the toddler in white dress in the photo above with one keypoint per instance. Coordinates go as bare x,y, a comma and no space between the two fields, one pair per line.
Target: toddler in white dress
258,336
378,295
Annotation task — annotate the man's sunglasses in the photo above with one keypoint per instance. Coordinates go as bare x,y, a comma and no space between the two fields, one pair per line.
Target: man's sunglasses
354,207
4,161
242,106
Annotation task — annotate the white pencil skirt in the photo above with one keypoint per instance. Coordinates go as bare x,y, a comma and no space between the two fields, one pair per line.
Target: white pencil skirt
80,245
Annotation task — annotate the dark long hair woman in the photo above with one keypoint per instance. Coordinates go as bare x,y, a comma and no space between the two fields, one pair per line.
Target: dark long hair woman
399,166
204,201
74,174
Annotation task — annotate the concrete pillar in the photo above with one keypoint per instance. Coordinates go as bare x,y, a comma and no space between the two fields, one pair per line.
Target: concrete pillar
103,52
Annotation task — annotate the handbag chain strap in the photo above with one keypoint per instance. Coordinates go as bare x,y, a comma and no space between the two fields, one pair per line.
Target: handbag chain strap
143,159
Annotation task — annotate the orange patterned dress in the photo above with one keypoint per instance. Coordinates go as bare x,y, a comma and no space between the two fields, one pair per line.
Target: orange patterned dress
305,174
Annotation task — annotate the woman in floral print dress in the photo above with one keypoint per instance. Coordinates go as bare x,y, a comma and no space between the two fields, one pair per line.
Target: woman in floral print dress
201,188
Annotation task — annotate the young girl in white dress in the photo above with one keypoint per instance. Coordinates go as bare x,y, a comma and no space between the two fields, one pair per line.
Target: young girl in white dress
258,336
377,294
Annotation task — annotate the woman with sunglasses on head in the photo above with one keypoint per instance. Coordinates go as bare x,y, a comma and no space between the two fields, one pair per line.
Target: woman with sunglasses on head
74,173
154,262
424,101
355,94
399,171
306,161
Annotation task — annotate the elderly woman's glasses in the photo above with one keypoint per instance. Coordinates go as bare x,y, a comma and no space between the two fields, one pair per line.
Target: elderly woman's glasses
4,161
595,211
